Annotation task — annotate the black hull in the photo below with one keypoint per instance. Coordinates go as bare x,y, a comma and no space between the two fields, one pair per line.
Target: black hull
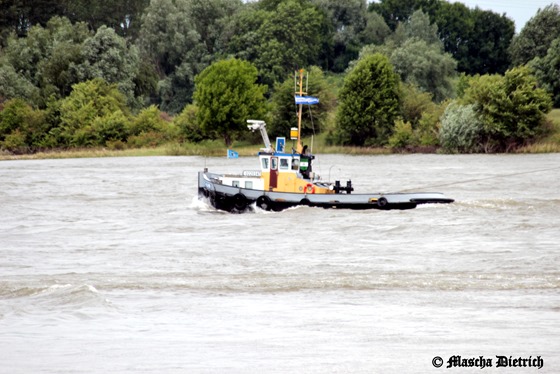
239,203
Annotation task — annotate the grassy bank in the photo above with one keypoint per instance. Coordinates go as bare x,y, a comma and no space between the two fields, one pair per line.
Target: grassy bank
548,144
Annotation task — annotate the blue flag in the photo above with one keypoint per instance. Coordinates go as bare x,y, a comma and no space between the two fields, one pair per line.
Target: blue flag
232,154
308,100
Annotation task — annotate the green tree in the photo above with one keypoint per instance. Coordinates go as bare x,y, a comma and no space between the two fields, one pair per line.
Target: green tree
376,30
314,118
477,39
536,36
419,26
399,11
93,114
278,36
547,71
512,108
425,66
181,38
54,58
123,15
455,22
351,26
44,59
368,102
226,95
106,55
418,57
491,37
19,16
14,85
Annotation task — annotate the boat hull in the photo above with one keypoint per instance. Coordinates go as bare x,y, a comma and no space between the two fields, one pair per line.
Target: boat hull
238,199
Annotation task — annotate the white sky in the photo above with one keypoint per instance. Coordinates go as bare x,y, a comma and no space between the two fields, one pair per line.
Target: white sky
518,10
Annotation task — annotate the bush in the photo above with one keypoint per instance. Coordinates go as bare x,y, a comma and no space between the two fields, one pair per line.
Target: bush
93,113
512,108
24,126
402,136
187,124
15,142
111,127
147,139
148,120
461,129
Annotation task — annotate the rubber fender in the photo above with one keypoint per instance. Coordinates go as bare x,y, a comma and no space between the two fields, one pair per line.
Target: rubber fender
382,201
239,201
264,202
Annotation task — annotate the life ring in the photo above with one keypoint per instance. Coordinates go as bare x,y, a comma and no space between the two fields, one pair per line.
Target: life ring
309,188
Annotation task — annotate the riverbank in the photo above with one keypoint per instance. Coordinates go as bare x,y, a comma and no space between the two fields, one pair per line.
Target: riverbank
216,148
175,149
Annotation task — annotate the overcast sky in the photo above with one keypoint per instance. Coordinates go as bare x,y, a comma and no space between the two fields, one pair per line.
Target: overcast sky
518,10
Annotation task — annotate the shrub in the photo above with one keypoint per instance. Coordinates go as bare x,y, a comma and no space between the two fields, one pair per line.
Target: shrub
149,119
461,129
402,136
15,142
187,124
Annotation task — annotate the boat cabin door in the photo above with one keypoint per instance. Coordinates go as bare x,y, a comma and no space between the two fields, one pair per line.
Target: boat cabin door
273,182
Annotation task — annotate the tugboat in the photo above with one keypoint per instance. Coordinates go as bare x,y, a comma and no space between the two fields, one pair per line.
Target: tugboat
285,180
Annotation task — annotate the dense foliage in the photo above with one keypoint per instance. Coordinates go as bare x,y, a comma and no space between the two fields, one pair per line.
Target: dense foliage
511,108
144,72
226,96
369,102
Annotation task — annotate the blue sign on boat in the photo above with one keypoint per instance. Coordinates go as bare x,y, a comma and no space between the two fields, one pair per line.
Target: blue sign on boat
232,154
308,100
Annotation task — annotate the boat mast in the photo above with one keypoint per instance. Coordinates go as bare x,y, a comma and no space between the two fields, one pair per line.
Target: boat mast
300,110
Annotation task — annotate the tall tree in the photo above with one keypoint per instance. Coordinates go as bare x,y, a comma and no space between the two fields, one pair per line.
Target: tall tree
490,39
227,95
425,66
107,55
399,11
181,38
62,54
454,23
418,57
536,36
547,71
368,102
20,15
278,36
477,39
348,21
123,16
45,58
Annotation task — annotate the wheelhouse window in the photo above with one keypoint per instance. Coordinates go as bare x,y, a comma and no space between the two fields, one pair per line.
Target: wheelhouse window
284,164
274,163
264,162
295,163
